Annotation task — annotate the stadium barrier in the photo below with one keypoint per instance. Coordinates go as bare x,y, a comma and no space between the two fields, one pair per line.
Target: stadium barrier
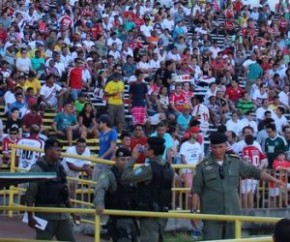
238,220
180,194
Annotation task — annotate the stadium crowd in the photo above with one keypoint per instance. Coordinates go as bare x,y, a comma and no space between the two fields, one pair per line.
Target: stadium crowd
172,69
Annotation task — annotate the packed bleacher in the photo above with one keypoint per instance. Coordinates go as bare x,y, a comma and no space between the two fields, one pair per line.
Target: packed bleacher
189,66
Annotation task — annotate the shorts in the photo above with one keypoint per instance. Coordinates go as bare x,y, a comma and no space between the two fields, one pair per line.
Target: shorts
75,134
248,185
275,191
139,115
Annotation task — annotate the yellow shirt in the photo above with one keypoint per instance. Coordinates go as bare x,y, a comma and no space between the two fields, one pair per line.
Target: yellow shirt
113,87
35,84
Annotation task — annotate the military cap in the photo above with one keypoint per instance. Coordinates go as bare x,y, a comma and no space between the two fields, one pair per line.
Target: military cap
155,141
123,152
217,138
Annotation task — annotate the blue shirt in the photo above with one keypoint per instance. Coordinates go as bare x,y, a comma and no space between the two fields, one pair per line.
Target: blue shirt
105,142
183,121
64,120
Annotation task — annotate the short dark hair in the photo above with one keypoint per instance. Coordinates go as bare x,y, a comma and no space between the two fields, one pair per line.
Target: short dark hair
247,127
50,143
249,139
281,230
124,135
81,140
161,125
157,145
271,126
138,125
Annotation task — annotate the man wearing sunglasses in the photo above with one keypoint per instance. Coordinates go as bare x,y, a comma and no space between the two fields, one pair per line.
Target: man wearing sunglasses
216,184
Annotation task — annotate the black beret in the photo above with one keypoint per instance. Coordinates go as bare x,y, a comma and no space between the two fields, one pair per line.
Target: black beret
155,141
123,152
218,138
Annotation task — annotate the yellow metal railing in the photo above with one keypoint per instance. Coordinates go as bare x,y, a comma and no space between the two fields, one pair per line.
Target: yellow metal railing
230,218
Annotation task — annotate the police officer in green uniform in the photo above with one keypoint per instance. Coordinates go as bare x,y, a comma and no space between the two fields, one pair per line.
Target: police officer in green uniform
50,193
110,193
215,187
154,180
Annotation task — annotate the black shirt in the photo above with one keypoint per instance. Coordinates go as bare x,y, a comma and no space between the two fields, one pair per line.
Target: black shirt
138,91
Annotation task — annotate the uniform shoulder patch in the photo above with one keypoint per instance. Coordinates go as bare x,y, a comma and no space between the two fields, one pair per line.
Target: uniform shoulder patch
234,156
138,171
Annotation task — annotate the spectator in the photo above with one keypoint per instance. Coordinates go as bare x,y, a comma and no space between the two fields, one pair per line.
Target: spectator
14,121
108,140
255,157
273,144
114,90
249,121
12,138
245,104
139,96
138,138
234,124
74,166
87,119
27,158
66,126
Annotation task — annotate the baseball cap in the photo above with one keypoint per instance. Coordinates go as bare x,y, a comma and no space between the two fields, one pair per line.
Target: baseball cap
194,130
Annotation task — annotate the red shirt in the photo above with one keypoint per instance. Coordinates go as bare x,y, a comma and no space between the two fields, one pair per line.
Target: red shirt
253,155
139,141
3,35
5,144
178,100
75,78
30,119
188,95
234,94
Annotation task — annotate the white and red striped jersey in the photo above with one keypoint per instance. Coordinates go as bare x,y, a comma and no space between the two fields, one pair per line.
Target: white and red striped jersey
26,158
253,155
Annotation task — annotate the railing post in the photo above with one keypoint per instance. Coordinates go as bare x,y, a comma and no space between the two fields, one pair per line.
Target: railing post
12,170
97,228
238,229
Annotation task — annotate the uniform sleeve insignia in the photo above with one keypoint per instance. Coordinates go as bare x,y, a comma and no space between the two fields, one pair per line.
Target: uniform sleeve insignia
138,171
103,176
235,156
208,168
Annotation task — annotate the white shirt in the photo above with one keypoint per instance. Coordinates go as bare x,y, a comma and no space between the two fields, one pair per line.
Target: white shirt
203,113
234,126
49,93
146,30
238,147
27,157
280,122
245,122
77,162
23,64
174,57
191,152
117,41
284,98
214,51
167,24
155,64
260,113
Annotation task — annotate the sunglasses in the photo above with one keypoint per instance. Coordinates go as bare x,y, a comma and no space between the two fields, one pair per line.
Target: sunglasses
13,133
221,172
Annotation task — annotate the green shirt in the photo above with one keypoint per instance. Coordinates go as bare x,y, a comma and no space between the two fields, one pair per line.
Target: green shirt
245,105
272,146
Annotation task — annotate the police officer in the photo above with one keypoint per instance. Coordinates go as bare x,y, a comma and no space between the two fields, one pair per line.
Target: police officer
110,193
215,187
154,180
50,193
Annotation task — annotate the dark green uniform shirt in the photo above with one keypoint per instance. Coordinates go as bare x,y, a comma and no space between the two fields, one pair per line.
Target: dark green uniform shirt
217,195
105,182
